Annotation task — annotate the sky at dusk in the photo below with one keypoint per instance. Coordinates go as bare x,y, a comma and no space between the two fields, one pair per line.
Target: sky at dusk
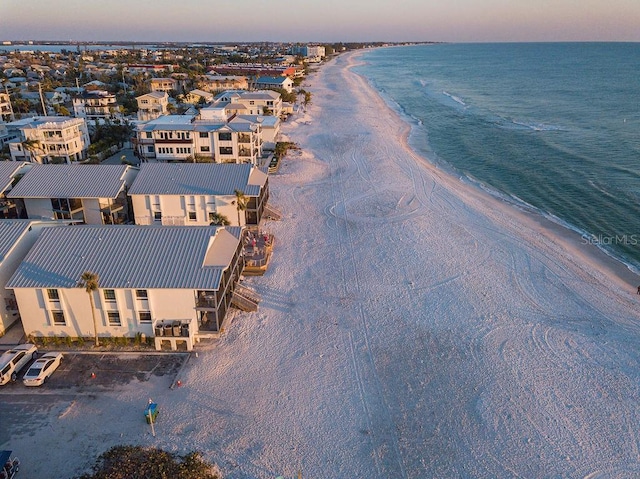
321,21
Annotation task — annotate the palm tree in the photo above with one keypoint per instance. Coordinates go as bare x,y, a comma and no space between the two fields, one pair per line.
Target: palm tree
218,219
90,282
31,146
241,203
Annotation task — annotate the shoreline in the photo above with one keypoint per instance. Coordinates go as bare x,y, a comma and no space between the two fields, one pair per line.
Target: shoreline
607,263
410,325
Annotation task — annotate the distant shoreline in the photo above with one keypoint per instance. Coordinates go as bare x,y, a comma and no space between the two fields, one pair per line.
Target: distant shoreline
589,253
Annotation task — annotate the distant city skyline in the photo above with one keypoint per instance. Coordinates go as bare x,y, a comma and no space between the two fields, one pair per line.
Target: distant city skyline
321,21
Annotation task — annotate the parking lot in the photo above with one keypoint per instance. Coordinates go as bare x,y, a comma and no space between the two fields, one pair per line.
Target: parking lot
85,371
81,378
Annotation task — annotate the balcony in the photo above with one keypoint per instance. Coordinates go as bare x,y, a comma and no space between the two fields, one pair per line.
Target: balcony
242,138
244,152
207,301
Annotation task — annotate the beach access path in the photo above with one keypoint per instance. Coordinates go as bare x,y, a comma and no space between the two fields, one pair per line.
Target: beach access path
411,326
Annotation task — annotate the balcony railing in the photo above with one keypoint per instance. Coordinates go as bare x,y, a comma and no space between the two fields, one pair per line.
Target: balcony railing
186,141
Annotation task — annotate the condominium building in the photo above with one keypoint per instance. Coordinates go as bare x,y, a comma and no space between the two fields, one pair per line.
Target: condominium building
186,137
198,194
171,284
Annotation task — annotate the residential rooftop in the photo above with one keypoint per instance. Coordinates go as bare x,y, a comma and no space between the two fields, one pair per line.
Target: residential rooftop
129,257
71,181
211,179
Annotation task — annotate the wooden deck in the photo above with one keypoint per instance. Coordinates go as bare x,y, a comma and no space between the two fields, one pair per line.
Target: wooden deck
258,247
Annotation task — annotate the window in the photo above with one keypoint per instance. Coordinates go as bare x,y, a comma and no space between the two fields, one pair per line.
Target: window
53,294
141,294
224,136
114,318
58,318
149,149
226,150
205,149
10,304
204,134
157,216
110,295
144,316
144,102
192,216
149,134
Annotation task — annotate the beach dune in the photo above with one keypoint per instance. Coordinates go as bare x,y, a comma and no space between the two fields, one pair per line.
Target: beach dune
411,326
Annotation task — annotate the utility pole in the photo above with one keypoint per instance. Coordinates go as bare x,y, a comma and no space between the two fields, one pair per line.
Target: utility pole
44,109
6,90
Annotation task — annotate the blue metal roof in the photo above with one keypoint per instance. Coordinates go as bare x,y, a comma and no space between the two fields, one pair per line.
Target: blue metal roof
124,257
71,181
213,179
7,170
10,233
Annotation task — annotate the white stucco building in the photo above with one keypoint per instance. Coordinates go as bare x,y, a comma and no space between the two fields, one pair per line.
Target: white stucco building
198,193
251,102
51,138
16,238
171,284
210,135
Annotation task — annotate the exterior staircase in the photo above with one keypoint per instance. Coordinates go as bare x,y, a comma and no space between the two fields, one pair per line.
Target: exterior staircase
245,299
272,213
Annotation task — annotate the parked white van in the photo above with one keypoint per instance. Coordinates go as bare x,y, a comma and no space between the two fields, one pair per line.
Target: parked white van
12,361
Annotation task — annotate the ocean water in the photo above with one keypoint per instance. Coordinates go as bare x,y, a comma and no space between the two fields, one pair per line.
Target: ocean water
552,127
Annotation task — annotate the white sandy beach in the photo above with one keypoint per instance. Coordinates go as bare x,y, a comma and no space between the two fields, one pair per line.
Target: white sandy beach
411,326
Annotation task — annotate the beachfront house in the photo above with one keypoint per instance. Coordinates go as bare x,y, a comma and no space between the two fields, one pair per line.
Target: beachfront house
283,82
16,238
208,135
92,194
260,102
174,285
198,194
49,139
269,126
